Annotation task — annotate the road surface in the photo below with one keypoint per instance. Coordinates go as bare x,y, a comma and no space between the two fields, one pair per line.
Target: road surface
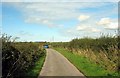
57,65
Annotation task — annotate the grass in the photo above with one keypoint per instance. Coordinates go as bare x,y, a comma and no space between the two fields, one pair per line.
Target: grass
104,50
83,64
34,71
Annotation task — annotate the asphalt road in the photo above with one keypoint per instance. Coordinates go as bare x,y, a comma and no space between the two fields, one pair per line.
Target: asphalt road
57,65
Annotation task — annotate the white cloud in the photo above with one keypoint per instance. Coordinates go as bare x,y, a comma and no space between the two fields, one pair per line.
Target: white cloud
82,28
87,28
51,11
36,12
69,31
108,23
60,0
80,31
83,17
112,26
45,21
104,21
23,33
48,13
95,30
38,20
11,0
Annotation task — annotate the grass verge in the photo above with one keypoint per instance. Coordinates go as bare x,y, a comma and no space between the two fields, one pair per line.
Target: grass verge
34,71
83,64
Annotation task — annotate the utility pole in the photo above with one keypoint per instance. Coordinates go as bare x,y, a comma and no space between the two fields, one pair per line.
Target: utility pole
53,39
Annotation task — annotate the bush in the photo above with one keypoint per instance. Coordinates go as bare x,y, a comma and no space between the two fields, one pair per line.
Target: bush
103,51
18,57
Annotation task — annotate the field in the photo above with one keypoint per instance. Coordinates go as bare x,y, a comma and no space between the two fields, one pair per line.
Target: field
21,58
102,52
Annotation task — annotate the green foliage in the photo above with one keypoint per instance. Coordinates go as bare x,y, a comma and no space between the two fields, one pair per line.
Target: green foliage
88,68
103,51
18,57
34,71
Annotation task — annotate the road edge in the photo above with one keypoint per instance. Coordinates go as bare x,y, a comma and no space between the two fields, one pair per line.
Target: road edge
71,63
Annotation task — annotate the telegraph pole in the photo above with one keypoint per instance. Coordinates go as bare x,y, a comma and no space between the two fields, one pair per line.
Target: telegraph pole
53,39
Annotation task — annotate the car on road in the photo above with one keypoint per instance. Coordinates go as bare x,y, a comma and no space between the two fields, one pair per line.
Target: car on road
45,46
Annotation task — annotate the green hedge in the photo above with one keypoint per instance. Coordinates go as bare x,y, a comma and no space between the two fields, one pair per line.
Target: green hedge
18,57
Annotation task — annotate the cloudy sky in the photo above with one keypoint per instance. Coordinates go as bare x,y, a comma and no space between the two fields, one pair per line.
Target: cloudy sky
58,21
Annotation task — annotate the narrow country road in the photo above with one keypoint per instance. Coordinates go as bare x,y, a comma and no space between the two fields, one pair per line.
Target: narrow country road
57,65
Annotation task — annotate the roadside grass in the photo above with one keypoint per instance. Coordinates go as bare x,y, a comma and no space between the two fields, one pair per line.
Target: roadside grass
83,64
35,70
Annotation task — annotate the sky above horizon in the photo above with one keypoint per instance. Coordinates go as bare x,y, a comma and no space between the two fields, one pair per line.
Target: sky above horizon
58,21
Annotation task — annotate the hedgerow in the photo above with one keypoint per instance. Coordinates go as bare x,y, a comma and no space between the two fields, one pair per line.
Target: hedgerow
104,50
18,57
